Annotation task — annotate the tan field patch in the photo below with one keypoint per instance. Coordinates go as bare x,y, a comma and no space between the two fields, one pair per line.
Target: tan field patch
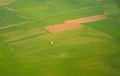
72,24
62,27
87,19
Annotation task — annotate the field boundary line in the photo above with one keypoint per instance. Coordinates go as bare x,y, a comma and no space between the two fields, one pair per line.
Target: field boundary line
13,25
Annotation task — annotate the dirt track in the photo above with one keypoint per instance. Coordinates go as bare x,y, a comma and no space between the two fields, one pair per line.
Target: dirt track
72,24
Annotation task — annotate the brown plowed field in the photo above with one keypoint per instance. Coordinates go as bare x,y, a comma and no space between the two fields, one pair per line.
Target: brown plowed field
62,27
87,19
72,24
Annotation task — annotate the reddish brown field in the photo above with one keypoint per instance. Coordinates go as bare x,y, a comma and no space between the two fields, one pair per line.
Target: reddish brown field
87,19
72,24
62,27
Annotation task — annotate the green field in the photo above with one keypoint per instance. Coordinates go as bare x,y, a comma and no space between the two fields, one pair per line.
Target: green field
25,45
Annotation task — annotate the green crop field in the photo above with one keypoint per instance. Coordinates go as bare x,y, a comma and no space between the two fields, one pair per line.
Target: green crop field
9,17
28,49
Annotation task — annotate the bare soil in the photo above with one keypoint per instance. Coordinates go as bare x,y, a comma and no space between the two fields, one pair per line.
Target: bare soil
72,24
62,27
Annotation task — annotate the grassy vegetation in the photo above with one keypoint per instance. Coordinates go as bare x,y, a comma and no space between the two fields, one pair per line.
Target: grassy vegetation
54,19
52,16
110,27
9,17
26,3
26,49
113,14
117,2
57,8
4,51
31,3
68,56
